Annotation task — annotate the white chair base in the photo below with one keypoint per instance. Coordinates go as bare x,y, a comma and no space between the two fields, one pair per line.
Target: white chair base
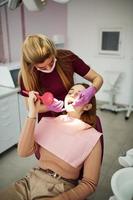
113,198
126,161
113,108
122,184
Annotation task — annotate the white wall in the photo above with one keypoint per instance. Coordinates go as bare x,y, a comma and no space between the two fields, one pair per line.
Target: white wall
12,34
50,21
85,18
79,21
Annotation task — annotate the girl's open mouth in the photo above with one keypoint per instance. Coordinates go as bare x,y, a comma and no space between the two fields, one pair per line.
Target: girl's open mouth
70,102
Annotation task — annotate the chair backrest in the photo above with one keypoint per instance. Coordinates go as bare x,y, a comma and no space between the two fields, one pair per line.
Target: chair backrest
112,80
99,128
98,125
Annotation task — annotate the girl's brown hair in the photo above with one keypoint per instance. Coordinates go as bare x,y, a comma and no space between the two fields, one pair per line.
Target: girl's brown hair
89,116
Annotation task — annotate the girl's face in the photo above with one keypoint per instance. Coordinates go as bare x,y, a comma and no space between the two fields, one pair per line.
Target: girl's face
71,97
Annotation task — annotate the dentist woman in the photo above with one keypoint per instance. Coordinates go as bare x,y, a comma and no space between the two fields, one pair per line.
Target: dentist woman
45,68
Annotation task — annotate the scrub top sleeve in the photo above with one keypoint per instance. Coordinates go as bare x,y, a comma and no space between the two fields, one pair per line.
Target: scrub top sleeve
22,88
79,66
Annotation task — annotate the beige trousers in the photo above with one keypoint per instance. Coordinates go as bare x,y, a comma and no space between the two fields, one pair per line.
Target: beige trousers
37,185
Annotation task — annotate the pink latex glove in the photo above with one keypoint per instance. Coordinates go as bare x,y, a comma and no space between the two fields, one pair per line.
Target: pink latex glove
56,106
85,96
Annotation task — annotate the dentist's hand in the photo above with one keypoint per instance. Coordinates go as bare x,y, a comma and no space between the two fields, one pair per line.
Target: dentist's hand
85,96
56,106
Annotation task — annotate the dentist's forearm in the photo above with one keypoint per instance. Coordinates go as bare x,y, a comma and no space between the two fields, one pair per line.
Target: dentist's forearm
97,82
95,78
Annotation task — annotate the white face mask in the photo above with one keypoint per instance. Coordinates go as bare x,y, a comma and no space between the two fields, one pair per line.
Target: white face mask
50,70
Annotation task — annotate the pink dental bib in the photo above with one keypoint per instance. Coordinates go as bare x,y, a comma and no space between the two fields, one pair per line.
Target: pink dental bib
68,138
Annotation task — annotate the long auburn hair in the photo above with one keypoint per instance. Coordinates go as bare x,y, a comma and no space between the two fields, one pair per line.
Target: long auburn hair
36,49
89,116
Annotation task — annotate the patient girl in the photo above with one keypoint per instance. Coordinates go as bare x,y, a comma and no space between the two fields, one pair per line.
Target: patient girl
65,144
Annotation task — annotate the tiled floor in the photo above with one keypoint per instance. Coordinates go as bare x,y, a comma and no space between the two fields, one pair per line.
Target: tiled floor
118,138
